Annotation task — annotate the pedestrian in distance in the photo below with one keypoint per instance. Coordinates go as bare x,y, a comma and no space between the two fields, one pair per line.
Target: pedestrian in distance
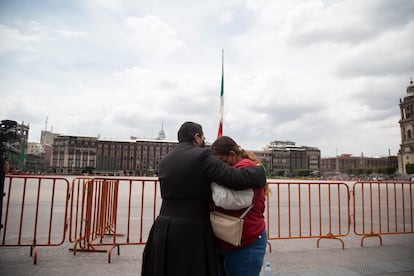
246,259
181,240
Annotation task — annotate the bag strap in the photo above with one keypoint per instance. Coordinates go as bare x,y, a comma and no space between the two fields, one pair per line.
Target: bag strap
247,210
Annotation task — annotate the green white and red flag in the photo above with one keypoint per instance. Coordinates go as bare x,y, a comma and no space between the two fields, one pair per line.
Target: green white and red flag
221,110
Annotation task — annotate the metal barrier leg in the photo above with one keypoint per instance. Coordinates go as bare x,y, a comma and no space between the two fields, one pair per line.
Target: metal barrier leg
369,236
110,252
34,255
330,236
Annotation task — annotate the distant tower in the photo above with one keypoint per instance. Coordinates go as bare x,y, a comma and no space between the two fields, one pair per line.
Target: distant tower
406,152
161,133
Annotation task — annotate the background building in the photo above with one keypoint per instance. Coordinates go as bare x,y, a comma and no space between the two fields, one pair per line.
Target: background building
17,157
285,158
139,157
35,158
406,152
73,154
358,165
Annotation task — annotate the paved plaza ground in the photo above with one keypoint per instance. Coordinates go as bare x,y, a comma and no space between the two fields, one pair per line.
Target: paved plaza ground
288,257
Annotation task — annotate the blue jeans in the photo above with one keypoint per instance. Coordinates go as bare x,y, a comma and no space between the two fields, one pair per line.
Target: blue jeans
246,261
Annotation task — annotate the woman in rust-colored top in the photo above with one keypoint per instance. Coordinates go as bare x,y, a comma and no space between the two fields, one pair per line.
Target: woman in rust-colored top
246,259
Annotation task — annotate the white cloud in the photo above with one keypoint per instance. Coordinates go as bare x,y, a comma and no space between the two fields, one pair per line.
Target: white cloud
387,54
225,17
321,73
13,40
69,33
151,36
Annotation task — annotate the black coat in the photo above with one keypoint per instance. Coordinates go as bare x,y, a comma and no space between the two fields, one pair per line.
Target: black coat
181,240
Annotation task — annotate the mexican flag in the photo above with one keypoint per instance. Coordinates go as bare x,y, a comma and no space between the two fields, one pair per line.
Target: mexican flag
220,129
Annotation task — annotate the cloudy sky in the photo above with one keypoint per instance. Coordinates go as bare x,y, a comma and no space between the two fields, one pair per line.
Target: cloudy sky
328,74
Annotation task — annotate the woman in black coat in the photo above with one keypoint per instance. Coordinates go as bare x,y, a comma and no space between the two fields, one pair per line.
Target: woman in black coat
181,240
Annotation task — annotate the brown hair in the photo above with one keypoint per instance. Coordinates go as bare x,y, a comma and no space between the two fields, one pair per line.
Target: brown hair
224,144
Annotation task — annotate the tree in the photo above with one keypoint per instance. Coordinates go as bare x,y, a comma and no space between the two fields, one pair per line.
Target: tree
302,172
409,168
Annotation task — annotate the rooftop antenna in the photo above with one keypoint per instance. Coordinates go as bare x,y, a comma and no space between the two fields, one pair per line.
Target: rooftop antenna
46,124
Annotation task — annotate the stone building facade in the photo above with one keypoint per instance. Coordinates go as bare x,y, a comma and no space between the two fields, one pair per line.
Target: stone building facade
139,157
346,163
406,151
286,157
73,154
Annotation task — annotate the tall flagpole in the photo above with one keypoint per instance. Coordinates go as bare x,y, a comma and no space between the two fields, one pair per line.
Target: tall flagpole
221,110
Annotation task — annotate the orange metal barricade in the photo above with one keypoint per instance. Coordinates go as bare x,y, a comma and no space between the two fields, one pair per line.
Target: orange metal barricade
125,213
95,215
106,213
382,207
77,208
299,209
32,213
